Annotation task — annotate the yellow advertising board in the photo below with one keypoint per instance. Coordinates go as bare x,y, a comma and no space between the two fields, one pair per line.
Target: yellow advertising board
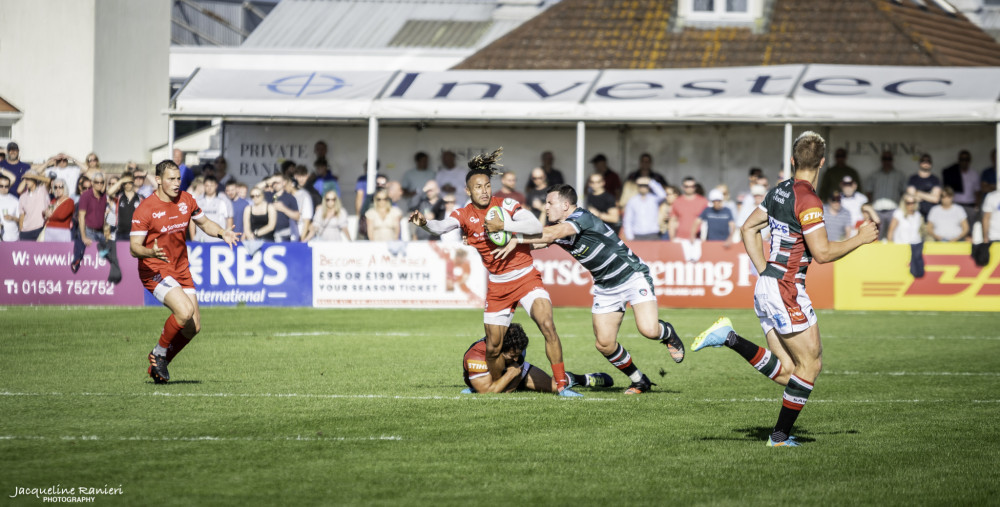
877,277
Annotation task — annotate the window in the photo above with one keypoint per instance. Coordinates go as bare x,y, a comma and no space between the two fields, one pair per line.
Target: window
724,11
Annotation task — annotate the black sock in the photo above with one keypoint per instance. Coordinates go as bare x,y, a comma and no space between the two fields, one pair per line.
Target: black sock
742,346
796,394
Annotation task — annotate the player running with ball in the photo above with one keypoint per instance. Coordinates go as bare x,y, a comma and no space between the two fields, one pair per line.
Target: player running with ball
158,233
511,280
794,214
620,278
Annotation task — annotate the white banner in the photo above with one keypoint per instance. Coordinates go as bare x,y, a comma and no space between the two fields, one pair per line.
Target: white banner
397,275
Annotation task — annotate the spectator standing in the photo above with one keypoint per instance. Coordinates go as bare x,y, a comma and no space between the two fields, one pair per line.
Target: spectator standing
125,202
361,195
640,220
142,185
602,203
906,222
239,204
719,220
90,212
320,150
59,215
451,178
13,164
686,210
93,165
838,220
646,169
187,175
10,209
430,204
323,180
415,179
59,167
216,208
287,206
330,221
745,197
757,192
259,218
222,171
663,219
964,182
727,201
833,176
886,186
302,177
988,178
991,216
383,218
535,193
947,221
303,199
33,201
508,190
855,203
553,175
612,182
924,186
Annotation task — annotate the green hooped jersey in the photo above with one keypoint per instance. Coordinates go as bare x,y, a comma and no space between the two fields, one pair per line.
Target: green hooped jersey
599,249
793,210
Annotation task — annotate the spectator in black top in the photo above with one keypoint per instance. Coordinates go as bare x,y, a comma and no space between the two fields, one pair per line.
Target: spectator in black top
924,186
603,204
553,175
612,183
646,169
964,182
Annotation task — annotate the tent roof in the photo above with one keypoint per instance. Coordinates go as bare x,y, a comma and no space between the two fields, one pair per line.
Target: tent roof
771,94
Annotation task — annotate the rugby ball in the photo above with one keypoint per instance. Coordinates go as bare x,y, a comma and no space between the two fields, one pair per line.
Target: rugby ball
503,237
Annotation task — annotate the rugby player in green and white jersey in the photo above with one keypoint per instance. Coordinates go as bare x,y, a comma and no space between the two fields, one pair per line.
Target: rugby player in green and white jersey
794,214
620,278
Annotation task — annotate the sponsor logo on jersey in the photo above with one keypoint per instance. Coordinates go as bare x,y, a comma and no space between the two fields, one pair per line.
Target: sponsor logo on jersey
183,208
135,221
173,227
778,227
477,366
474,220
643,292
811,216
795,313
159,214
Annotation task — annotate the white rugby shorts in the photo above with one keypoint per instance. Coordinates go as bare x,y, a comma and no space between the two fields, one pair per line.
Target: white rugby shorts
782,306
635,290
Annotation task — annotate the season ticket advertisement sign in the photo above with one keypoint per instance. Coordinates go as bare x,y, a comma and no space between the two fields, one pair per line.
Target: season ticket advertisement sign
685,275
38,274
397,275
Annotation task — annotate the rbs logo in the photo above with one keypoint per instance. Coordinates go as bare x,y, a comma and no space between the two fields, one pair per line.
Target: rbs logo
237,267
778,227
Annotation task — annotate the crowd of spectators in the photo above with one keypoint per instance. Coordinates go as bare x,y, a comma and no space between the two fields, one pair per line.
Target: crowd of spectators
303,201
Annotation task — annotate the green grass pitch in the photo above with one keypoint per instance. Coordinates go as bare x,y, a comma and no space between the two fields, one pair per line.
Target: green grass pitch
362,407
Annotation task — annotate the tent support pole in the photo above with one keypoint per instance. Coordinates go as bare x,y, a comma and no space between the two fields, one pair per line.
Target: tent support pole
372,168
581,136
995,146
786,162
170,139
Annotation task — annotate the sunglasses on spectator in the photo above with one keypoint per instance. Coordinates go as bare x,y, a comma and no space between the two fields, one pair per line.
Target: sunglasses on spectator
381,198
331,199
57,186
91,160
98,182
61,160
4,186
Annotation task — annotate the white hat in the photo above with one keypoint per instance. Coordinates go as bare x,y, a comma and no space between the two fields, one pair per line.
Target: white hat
758,190
715,195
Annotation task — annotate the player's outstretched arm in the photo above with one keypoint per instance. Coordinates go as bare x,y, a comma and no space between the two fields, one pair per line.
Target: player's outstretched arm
507,382
824,250
752,241
438,227
213,229
522,222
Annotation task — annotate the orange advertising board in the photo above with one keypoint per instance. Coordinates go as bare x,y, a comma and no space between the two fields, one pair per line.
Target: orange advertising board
877,277
710,277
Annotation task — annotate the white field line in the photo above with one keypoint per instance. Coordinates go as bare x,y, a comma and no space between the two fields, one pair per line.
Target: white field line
916,373
299,395
908,337
205,438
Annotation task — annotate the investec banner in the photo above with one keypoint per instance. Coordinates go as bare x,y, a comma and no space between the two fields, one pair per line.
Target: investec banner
38,274
714,277
397,275
877,277
279,274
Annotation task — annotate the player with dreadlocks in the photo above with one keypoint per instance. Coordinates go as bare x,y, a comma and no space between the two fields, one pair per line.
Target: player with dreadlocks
512,279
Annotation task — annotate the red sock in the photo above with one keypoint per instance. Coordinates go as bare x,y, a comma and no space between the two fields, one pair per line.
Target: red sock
559,374
171,330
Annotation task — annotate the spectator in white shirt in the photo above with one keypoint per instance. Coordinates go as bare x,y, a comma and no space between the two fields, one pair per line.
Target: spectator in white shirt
906,222
947,221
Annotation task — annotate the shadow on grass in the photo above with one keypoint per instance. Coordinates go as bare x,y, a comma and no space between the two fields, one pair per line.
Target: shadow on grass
760,433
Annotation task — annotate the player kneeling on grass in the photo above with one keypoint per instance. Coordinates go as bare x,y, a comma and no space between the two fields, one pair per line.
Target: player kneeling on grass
518,374
794,214
159,226
620,278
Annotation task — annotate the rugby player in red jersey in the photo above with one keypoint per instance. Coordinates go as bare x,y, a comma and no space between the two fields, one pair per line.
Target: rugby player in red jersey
159,226
518,375
794,214
512,279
